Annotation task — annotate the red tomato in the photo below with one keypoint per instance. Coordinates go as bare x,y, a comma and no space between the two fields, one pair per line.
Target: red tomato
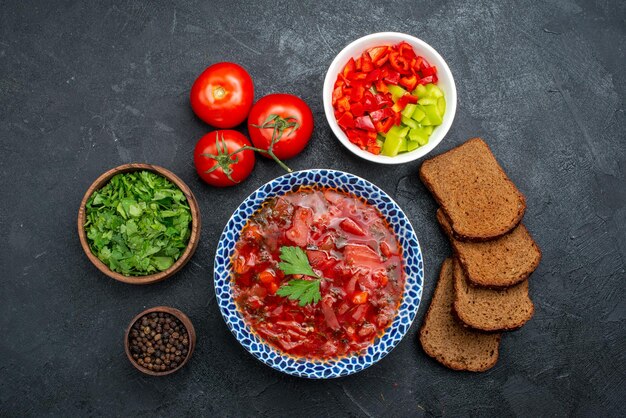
217,161
287,117
222,95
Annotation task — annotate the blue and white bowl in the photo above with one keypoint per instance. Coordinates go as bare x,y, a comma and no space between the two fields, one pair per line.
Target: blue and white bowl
413,267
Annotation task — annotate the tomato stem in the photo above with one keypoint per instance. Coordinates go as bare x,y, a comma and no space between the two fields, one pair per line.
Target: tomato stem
223,159
219,92
279,126
265,151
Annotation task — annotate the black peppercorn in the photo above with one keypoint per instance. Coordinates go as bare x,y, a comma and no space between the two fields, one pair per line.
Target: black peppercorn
158,342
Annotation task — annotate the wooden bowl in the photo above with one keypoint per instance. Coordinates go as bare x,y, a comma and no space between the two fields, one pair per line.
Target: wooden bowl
184,319
195,224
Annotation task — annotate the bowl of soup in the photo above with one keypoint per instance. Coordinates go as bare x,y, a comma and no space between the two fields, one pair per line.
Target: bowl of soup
318,274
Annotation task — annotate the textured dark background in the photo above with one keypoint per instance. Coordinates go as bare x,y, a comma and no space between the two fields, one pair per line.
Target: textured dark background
85,87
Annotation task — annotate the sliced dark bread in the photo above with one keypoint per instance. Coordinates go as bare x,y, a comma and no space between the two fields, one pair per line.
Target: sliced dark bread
470,186
446,340
491,310
499,263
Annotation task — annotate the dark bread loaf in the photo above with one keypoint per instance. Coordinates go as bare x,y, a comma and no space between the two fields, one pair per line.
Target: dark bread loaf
491,310
499,263
470,186
446,340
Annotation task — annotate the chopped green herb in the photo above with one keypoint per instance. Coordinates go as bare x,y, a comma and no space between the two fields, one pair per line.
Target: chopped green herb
139,223
295,261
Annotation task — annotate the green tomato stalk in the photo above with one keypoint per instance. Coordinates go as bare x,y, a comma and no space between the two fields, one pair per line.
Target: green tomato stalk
225,159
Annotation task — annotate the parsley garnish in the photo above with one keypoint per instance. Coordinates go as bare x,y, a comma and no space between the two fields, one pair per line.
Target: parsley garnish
295,261
305,291
138,223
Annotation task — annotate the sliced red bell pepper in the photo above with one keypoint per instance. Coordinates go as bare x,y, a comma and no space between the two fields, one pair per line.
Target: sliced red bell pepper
383,100
426,80
426,71
403,101
337,94
377,115
381,87
397,118
385,125
359,64
362,138
377,53
406,50
349,68
357,109
367,64
343,104
353,136
373,148
357,76
399,63
382,60
393,77
357,93
381,114
418,64
409,82
364,122
408,98
343,79
373,75
369,102
370,138
346,121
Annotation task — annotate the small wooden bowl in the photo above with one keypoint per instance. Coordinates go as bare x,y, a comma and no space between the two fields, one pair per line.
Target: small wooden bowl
184,319
195,224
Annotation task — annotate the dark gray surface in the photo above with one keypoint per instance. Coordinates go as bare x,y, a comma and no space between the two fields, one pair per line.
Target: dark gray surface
84,88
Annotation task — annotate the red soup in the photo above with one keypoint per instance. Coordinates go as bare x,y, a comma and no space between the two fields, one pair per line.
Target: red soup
318,273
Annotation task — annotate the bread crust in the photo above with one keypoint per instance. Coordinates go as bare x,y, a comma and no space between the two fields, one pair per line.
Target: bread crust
476,235
451,363
496,281
475,323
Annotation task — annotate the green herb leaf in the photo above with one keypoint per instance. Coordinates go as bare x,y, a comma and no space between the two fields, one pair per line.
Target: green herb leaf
163,263
139,223
295,261
305,291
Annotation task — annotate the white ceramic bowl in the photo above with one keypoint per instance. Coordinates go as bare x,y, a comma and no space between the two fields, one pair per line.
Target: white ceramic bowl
445,83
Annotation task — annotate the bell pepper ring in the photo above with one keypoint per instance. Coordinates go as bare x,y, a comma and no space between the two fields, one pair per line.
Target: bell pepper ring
399,63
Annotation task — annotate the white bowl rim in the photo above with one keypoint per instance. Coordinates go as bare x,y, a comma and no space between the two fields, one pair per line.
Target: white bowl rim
439,133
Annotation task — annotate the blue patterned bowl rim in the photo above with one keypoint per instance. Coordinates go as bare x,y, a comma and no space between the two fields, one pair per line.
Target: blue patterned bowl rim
413,266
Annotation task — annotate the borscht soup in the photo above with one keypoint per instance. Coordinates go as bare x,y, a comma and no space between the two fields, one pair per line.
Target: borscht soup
318,273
